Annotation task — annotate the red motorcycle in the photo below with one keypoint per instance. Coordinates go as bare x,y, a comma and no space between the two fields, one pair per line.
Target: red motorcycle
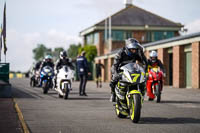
154,84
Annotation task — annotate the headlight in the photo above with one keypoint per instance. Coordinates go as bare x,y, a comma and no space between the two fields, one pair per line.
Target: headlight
42,73
49,74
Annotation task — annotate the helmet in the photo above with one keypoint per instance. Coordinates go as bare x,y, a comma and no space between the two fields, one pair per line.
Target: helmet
132,46
153,55
48,58
63,54
83,53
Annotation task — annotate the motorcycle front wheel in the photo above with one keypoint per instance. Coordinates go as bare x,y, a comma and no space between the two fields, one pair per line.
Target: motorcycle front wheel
45,87
66,91
158,94
135,109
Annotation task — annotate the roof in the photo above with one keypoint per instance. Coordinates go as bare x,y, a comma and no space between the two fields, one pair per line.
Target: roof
172,39
135,16
161,42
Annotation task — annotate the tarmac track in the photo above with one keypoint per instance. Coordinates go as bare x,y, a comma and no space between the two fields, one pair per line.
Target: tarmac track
179,111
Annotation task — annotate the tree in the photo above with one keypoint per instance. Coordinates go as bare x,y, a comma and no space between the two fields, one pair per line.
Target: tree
40,51
91,52
73,50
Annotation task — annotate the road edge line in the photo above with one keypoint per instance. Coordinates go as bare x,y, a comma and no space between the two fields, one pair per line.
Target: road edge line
21,118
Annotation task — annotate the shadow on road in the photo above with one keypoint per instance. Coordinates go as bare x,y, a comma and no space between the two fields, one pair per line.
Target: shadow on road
88,98
18,93
181,102
158,120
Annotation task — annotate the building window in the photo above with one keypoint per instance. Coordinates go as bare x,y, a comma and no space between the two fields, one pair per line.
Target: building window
127,34
96,38
90,39
158,35
117,35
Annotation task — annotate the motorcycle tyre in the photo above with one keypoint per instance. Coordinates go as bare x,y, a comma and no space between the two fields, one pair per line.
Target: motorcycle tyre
135,110
158,94
66,92
45,88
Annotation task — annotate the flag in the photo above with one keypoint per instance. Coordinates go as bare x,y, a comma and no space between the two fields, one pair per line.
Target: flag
4,29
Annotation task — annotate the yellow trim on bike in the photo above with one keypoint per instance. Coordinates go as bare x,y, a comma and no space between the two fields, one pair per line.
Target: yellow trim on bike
136,75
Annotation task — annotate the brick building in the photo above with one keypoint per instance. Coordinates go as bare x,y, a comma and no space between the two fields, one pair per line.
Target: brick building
181,58
131,21
180,54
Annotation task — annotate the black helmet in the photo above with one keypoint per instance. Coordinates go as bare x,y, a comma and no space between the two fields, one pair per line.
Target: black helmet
63,54
131,43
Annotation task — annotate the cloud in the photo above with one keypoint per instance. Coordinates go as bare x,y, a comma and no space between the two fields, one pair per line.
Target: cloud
20,46
193,26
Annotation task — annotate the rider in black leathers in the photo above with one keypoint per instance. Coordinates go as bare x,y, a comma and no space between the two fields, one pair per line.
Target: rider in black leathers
62,61
132,52
46,62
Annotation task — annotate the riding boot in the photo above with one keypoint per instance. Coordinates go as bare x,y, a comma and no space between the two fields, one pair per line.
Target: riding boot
113,95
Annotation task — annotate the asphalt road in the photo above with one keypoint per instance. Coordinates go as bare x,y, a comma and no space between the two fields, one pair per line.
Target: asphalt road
179,111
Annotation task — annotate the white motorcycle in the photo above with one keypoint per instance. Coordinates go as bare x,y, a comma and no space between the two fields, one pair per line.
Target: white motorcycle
64,81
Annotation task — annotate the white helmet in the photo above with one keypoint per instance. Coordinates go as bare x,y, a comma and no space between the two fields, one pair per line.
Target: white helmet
63,55
153,55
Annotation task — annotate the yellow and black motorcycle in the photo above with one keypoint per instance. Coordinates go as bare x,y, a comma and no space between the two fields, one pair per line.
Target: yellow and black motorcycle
129,98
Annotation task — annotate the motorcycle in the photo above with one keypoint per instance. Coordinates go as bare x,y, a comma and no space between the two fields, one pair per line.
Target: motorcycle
35,78
154,84
132,76
46,77
32,78
64,81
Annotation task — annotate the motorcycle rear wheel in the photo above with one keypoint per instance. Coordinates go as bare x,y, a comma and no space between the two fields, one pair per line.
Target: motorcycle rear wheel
135,109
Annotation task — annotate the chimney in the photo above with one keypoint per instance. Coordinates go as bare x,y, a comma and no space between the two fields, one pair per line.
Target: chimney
128,3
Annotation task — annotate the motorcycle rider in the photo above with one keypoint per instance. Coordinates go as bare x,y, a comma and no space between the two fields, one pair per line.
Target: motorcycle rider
132,52
37,65
153,61
46,62
62,61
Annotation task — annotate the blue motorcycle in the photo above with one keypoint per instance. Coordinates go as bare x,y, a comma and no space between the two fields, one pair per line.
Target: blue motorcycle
46,77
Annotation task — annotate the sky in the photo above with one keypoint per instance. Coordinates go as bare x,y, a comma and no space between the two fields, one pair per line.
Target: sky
57,23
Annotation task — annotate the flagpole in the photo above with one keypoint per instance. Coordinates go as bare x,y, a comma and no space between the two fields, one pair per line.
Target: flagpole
0,55
0,48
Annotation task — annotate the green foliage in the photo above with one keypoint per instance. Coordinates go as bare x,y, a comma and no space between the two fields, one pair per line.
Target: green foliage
40,51
91,52
73,50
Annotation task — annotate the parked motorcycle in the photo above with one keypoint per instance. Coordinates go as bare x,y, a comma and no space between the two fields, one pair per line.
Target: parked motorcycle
132,76
46,77
154,84
64,81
